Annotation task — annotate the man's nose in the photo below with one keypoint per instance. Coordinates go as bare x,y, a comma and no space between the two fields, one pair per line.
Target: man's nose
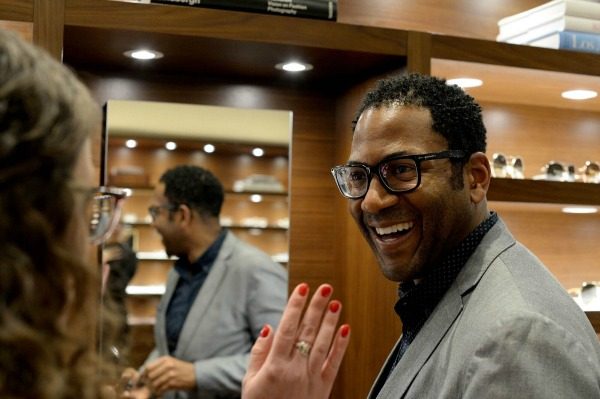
377,197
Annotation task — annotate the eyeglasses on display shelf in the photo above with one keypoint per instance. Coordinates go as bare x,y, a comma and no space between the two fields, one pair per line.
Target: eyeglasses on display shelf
510,167
106,211
588,296
398,174
558,171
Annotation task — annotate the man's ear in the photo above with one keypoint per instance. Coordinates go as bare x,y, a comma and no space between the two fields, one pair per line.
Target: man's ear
478,176
186,214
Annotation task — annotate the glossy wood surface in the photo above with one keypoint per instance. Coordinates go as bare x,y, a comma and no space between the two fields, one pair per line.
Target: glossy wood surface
232,25
16,10
469,18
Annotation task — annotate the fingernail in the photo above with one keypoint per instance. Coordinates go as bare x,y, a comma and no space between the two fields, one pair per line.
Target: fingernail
265,331
345,330
326,290
334,306
303,289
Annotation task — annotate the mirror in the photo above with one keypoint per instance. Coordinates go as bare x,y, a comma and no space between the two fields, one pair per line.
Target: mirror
247,149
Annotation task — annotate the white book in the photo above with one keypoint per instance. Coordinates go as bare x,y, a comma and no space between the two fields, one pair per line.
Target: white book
520,23
563,23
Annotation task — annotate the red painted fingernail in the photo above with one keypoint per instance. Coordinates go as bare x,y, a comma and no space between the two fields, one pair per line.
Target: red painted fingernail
334,306
265,331
326,290
303,289
345,330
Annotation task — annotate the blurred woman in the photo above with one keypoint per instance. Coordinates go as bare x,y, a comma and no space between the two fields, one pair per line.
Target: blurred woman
48,289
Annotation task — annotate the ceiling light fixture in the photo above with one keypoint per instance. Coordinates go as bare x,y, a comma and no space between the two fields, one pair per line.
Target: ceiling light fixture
580,209
209,148
258,152
465,83
579,94
256,198
131,143
143,54
294,66
170,145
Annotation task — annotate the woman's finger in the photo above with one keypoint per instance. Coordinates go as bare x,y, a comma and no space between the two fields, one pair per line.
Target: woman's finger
288,325
336,354
325,335
311,321
259,352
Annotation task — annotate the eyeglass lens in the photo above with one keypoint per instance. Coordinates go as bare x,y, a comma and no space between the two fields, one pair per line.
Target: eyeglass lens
105,215
398,174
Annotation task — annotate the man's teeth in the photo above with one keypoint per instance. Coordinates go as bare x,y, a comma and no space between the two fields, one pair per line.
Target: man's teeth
393,229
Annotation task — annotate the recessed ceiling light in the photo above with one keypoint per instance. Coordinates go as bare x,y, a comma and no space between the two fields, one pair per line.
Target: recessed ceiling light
131,143
209,148
579,94
143,54
580,209
170,145
256,198
258,152
294,66
465,83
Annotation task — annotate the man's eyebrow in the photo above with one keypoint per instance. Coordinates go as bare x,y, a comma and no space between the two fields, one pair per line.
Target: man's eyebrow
392,155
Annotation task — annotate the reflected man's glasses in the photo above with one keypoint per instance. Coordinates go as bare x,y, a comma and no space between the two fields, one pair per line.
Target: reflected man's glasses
398,174
154,210
106,210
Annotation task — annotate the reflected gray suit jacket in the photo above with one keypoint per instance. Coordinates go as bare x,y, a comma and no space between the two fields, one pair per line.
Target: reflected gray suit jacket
243,291
505,329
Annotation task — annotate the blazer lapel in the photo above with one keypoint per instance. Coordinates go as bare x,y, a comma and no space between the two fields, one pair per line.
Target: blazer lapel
422,347
161,326
206,295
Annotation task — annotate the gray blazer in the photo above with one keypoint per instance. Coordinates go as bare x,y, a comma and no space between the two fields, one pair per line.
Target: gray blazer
505,329
244,290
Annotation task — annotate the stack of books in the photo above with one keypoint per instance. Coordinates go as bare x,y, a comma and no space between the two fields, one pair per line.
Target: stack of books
559,24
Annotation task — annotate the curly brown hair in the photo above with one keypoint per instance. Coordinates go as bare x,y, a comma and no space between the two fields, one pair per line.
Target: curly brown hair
48,297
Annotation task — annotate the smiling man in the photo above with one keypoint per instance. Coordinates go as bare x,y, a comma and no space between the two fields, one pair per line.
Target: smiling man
482,316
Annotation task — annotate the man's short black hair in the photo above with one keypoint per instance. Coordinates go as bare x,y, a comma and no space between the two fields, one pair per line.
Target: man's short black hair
455,114
195,187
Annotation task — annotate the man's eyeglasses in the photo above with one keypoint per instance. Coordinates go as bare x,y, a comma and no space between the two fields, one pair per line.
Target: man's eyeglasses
106,210
154,211
398,174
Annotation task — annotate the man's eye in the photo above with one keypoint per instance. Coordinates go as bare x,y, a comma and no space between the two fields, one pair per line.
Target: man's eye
356,176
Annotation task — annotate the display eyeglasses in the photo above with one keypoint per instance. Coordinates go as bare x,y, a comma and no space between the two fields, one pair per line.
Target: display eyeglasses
398,174
106,211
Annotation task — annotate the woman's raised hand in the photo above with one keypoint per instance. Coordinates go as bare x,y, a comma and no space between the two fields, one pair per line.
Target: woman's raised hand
299,360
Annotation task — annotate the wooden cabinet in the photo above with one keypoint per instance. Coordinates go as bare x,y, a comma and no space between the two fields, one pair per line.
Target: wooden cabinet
227,58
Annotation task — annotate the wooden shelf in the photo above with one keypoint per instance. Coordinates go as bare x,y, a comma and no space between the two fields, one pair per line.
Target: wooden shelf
544,191
594,317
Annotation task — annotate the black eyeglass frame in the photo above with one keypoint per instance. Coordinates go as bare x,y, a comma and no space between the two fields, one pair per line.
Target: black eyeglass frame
377,170
154,209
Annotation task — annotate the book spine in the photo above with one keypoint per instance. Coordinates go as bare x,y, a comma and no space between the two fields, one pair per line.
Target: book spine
586,42
318,9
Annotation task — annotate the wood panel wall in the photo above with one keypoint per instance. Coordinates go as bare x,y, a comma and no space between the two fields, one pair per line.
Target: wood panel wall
468,18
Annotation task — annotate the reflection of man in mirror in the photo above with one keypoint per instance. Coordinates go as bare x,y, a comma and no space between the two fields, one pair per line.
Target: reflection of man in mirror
219,295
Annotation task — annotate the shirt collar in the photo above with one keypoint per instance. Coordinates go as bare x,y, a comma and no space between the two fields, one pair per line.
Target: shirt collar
186,268
417,301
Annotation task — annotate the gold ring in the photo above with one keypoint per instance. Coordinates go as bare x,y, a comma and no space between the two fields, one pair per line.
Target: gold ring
303,347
